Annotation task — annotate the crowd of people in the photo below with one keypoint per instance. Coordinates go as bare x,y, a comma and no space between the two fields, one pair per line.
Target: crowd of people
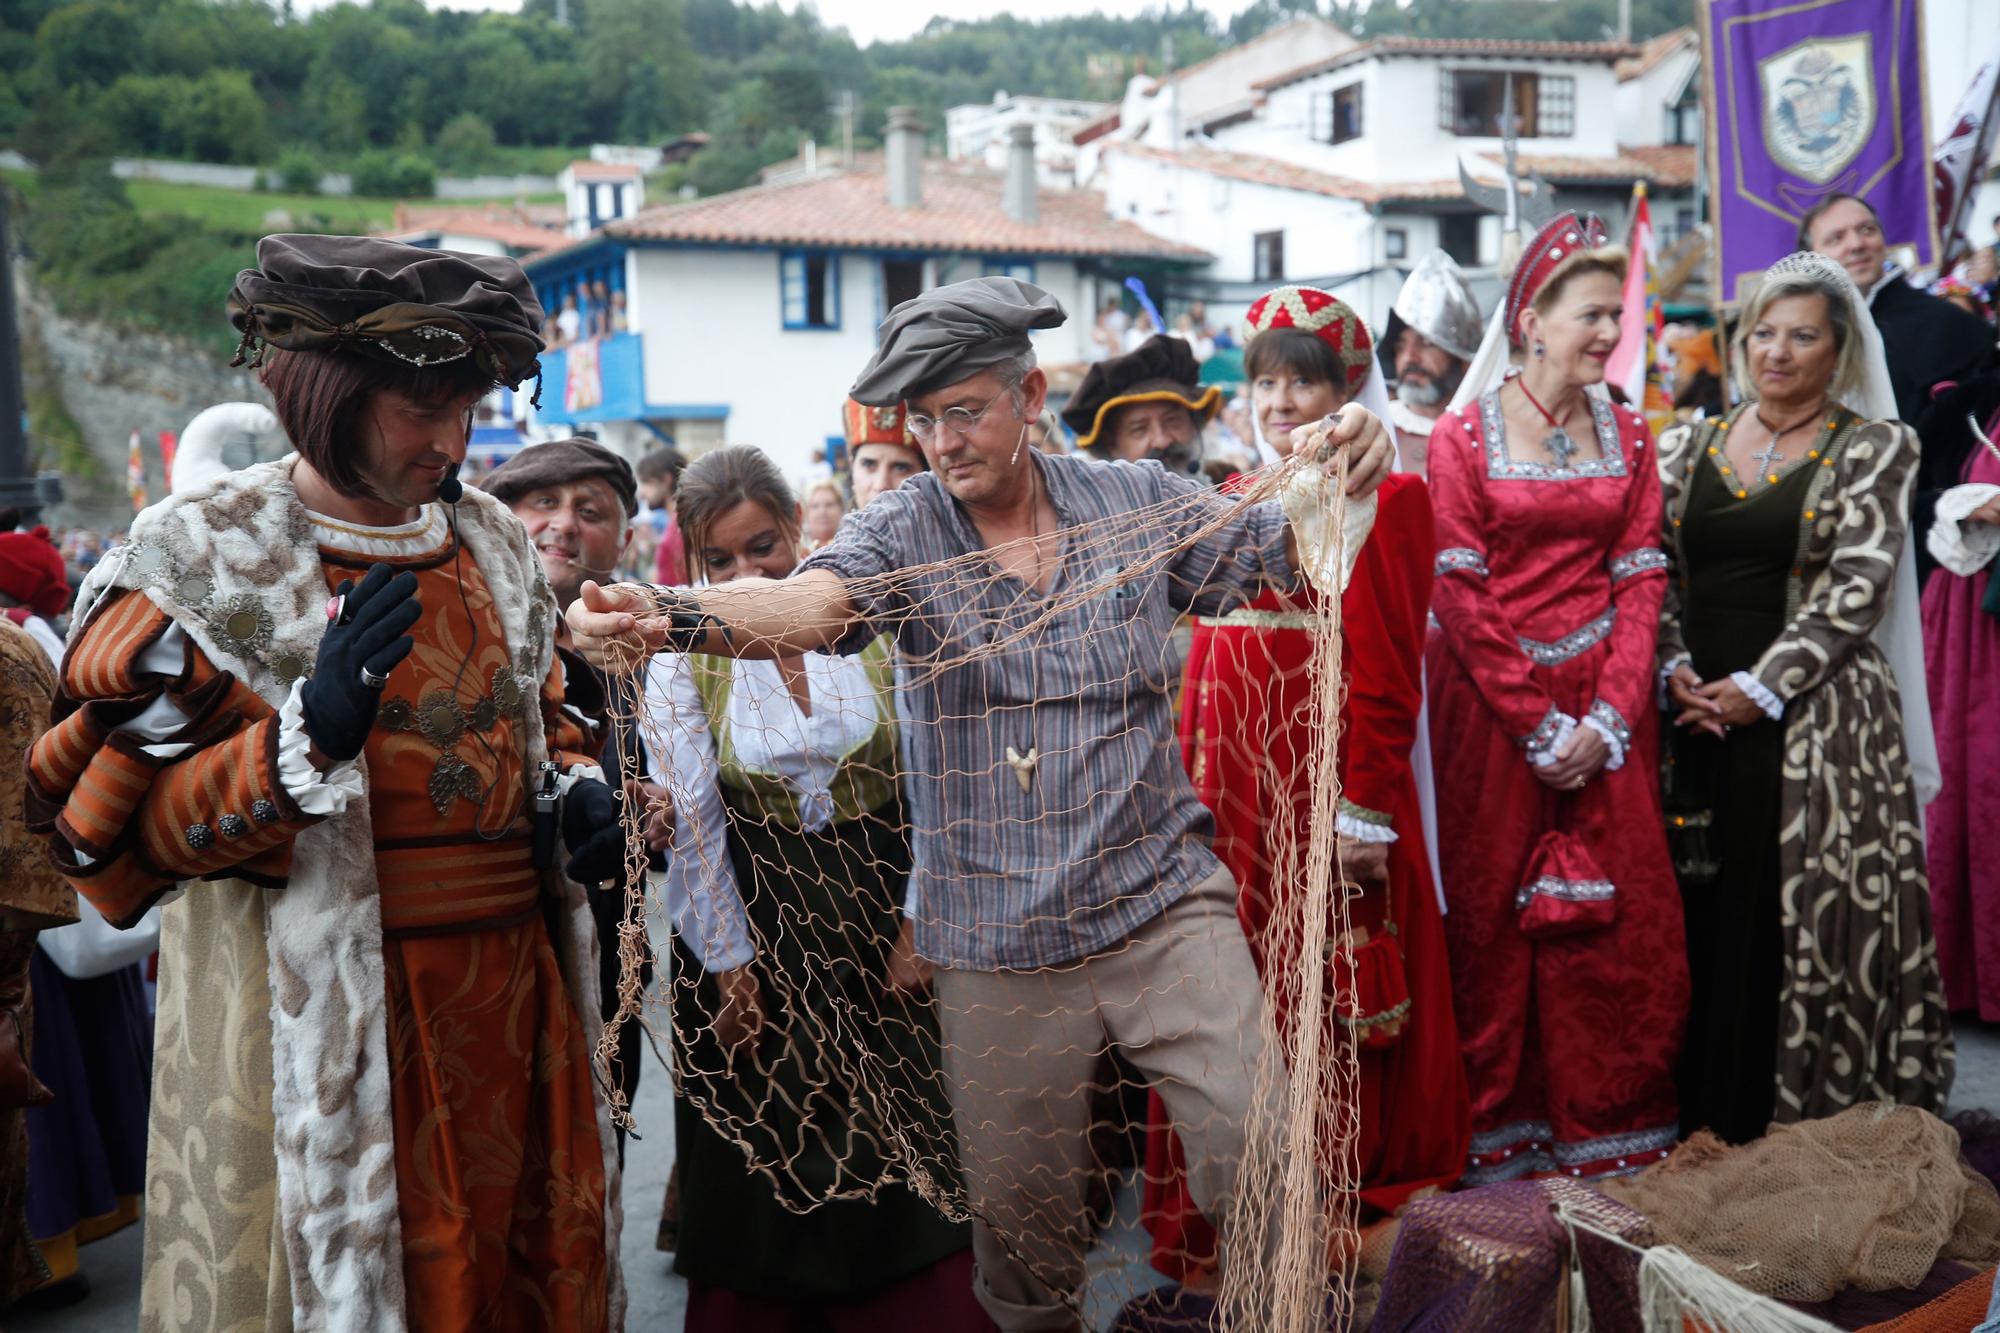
1660,789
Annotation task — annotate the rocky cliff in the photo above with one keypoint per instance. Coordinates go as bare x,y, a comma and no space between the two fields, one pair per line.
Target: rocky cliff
106,383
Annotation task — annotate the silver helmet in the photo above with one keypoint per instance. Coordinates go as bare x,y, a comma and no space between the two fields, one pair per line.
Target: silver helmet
1437,303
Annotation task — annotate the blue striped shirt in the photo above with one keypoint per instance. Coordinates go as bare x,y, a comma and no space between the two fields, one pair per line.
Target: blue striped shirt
1109,831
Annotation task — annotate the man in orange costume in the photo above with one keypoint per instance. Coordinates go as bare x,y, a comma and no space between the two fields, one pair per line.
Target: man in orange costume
373,1104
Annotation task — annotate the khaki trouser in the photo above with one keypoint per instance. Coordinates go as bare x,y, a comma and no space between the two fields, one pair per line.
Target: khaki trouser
1180,996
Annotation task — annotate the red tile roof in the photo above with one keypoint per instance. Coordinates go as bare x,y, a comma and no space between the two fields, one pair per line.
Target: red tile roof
605,171
511,227
1283,175
1625,168
1653,51
1672,165
850,209
1454,46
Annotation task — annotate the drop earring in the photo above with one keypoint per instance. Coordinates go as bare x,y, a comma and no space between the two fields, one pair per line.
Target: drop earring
1541,349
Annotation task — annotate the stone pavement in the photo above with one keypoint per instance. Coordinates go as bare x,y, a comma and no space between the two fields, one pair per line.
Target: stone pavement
658,1299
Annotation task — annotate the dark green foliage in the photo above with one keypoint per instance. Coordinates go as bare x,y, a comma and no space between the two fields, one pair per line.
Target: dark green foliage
99,259
388,175
298,172
245,80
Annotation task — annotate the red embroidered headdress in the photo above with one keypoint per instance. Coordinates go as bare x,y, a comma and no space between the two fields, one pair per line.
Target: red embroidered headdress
875,425
1554,248
1327,318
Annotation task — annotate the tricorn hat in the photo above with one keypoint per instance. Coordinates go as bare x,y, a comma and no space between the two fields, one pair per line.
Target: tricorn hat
386,299
1160,370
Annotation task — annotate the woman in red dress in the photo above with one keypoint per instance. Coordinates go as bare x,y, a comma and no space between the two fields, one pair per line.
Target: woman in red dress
1564,922
1247,746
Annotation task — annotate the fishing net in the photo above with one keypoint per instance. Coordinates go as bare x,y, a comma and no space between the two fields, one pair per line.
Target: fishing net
1870,1198
994,821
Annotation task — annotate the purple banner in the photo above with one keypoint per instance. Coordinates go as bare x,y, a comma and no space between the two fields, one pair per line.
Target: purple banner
1807,98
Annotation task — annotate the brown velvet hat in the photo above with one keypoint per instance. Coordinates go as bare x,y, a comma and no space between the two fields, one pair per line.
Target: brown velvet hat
558,463
390,300
1160,370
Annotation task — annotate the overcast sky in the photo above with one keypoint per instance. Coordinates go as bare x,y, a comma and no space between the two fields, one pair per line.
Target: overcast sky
875,20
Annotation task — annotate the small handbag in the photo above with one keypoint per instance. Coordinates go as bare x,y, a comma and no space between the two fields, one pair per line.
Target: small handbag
1565,892
1373,1002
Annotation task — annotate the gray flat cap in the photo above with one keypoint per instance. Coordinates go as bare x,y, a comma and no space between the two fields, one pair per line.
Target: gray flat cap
951,334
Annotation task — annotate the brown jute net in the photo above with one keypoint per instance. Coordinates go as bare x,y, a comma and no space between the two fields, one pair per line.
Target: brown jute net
1022,1107
1870,1198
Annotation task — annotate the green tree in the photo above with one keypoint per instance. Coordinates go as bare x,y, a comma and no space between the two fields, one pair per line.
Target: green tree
465,144
218,118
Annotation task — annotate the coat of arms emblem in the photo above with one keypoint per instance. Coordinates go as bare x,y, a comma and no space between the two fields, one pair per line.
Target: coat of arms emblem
1819,105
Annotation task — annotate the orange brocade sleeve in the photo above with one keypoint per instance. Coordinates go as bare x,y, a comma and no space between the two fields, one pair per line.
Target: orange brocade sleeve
126,820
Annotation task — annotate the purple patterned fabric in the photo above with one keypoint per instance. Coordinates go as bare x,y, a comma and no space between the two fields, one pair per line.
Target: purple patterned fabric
1806,101
1496,1259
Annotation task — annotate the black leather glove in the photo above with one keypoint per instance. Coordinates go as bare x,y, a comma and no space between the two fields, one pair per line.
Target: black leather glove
339,706
591,831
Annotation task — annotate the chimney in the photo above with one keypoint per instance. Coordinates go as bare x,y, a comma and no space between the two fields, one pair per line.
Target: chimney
1017,198
903,146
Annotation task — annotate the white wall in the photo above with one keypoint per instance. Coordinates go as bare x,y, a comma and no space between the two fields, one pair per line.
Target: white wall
714,334
1401,139
1642,102
1322,235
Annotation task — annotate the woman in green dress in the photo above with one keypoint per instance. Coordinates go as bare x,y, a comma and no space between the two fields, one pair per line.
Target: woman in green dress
1803,730
811,1108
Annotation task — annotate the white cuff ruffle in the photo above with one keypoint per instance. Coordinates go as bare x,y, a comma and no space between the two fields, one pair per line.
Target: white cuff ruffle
1773,706
315,793
1545,756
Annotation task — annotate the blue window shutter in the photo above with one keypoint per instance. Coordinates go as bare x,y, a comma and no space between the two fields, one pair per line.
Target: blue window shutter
832,259
792,288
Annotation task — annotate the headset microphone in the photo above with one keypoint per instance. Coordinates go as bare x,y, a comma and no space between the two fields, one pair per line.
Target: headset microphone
451,490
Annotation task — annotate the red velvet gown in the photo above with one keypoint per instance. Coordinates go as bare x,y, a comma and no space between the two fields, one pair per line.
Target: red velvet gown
1548,600
1246,748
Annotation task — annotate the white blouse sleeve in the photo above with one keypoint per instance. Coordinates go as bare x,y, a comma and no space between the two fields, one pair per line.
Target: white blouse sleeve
701,892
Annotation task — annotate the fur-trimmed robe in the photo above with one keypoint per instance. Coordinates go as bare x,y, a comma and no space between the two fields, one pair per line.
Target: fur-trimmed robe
271,1181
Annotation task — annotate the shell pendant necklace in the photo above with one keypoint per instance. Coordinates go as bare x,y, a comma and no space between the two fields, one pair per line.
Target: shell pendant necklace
1024,764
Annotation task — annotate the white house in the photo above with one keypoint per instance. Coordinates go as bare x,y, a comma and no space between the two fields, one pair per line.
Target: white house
747,315
1659,123
483,229
595,193
978,132
1342,170
1210,93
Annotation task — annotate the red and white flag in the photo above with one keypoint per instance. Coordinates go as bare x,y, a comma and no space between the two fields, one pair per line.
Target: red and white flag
1634,363
1961,158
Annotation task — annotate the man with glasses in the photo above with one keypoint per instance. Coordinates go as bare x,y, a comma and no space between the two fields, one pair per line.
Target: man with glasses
1064,884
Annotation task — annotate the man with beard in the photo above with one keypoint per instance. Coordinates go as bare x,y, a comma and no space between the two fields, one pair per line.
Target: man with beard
1145,404
1432,334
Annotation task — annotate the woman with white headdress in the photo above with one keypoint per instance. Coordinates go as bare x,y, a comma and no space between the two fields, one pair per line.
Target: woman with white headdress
1568,964
1248,750
1795,783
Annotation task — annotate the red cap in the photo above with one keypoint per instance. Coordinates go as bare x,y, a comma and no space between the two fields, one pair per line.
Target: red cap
32,572
863,424
1327,318
1565,237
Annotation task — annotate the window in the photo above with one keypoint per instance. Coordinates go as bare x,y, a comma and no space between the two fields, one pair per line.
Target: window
1684,122
809,284
902,280
1472,102
1557,106
1458,235
1396,243
1336,116
1268,257
1024,269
